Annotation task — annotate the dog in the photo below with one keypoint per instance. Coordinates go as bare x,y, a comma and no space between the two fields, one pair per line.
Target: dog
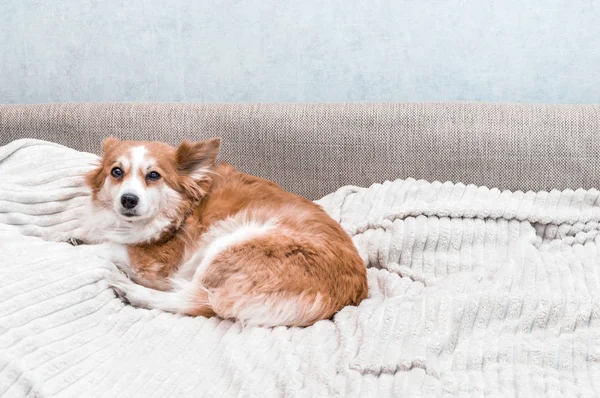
200,238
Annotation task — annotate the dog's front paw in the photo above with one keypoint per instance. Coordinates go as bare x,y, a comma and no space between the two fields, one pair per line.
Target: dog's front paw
75,242
121,294
119,282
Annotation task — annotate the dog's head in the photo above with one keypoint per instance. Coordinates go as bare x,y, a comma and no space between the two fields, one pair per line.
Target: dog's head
139,181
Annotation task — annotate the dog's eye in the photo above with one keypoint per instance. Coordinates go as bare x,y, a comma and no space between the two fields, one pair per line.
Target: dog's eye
116,172
153,176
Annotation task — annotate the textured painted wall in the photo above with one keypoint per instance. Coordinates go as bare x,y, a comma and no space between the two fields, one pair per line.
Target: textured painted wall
300,50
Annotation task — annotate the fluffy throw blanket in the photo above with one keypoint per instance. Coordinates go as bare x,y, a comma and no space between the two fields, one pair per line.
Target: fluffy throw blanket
473,291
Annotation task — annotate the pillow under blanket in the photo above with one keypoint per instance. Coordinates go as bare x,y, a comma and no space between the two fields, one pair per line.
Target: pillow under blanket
472,290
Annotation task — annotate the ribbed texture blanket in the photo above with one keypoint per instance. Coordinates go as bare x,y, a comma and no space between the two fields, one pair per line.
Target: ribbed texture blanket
473,292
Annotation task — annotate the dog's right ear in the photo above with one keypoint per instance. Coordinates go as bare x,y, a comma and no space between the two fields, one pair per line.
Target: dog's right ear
94,179
109,143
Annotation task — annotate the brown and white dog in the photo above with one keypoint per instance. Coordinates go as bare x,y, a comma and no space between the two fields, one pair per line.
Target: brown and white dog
201,239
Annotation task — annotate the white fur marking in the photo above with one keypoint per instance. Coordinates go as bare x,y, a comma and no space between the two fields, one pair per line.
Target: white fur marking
200,173
275,310
109,251
234,230
157,208
134,183
177,300
104,225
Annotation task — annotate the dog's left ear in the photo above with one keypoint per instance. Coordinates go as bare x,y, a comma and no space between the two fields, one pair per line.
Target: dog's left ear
194,158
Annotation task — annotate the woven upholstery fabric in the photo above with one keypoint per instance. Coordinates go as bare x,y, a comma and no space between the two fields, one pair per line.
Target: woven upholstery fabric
312,149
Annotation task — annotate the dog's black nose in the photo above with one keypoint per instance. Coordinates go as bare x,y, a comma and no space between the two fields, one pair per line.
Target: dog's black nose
129,201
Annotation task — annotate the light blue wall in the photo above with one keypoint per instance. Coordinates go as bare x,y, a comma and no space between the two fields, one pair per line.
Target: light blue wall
300,50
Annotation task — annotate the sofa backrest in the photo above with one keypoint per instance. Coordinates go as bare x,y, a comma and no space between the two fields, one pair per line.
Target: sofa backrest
313,149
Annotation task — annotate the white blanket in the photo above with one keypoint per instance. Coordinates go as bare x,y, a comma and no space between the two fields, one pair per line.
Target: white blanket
473,291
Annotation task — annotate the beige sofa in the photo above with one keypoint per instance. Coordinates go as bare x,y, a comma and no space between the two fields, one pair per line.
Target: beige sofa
312,149
473,291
